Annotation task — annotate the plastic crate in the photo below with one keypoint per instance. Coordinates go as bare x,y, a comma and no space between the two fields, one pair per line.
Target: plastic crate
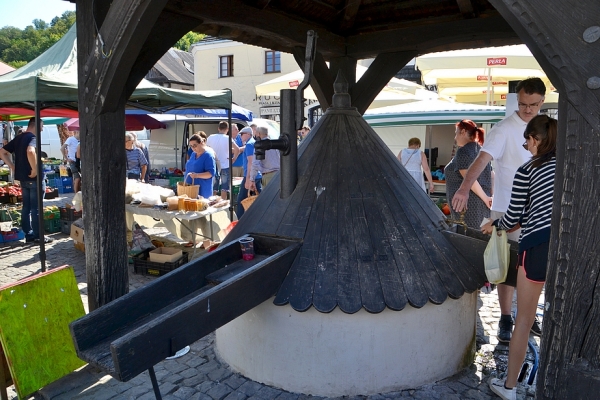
13,236
65,226
4,199
65,189
141,264
66,181
52,225
51,195
69,214
173,181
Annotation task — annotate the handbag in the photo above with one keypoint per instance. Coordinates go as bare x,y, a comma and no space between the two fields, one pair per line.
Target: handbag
247,202
188,189
496,257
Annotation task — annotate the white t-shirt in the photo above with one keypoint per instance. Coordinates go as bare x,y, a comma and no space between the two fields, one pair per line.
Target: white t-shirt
71,143
504,143
220,144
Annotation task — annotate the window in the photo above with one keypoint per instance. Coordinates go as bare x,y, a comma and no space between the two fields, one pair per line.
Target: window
272,62
225,66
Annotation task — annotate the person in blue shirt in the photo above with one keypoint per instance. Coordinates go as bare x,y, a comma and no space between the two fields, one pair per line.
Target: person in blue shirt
248,156
199,170
201,166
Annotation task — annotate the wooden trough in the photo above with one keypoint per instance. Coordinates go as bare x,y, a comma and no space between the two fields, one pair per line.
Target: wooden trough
471,245
137,331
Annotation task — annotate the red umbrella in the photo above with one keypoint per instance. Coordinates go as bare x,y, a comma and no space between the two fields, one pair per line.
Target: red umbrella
17,113
133,122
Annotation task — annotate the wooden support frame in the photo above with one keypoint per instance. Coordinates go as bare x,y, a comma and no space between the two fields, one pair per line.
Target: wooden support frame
567,46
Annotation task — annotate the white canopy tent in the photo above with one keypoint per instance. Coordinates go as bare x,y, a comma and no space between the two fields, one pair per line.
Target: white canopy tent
397,91
481,75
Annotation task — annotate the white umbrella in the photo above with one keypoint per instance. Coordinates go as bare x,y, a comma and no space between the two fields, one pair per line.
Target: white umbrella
397,91
479,75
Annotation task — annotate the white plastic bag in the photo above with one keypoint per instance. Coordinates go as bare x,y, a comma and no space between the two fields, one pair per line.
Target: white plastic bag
496,257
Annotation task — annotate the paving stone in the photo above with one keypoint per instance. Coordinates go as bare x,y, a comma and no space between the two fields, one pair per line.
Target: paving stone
219,374
249,388
288,396
184,393
200,396
235,395
194,380
219,391
173,378
205,386
235,381
267,393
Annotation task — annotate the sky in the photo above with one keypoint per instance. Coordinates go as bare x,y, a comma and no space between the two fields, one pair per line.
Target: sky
20,13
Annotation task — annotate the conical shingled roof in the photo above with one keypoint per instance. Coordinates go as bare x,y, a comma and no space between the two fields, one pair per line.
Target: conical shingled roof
371,236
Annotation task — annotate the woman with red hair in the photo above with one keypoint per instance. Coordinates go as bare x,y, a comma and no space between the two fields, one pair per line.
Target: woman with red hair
469,138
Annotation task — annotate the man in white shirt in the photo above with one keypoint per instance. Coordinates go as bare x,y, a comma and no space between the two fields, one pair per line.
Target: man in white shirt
69,150
267,167
504,145
219,142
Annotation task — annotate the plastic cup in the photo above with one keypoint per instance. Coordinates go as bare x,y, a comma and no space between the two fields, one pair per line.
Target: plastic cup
247,245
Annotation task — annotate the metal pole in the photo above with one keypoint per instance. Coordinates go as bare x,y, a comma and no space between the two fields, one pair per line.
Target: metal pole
288,174
154,383
40,179
230,168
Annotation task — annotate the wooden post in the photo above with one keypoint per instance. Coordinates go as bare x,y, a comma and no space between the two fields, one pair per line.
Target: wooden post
567,46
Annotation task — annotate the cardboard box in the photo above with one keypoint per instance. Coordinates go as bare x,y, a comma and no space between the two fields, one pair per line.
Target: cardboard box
77,233
165,255
79,246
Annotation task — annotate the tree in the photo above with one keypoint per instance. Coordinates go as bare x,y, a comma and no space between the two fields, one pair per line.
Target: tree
18,47
188,40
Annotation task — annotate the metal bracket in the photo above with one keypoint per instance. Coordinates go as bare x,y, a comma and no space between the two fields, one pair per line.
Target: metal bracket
309,62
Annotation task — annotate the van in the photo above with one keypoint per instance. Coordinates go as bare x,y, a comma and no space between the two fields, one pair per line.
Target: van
168,147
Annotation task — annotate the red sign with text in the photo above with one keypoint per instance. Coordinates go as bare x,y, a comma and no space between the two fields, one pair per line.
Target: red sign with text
294,83
503,97
496,61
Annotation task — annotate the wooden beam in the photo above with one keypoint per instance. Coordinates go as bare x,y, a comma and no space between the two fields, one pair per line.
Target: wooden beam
379,73
480,32
349,14
322,81
348,67
465,7
167,30
124,32
287,31
262,4
566,45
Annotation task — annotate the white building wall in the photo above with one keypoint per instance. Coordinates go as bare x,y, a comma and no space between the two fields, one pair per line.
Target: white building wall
248,71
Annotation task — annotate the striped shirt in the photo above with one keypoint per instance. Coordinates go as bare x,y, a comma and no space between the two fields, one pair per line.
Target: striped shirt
531,204
135,160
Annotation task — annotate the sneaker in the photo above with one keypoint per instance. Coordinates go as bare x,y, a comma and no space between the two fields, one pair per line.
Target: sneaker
504,330
536,328
46,240
497,386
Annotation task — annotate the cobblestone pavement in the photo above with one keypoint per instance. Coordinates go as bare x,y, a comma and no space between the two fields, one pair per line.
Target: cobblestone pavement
200,375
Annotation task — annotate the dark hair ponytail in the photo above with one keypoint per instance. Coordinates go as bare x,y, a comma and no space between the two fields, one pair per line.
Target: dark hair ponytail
544,129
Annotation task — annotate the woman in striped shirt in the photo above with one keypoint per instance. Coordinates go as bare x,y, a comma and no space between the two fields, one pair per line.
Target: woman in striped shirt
531,207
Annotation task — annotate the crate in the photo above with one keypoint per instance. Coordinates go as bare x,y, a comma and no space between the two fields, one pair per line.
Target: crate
65,189
4,199
51,195
52,225
142,265
69,214
64,181
52,215
13,236
173,181
65,226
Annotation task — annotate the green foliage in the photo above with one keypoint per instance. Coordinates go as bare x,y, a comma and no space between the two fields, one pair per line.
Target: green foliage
189,39
18,47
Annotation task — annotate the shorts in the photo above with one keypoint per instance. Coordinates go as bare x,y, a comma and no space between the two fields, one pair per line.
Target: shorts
75,171
535,261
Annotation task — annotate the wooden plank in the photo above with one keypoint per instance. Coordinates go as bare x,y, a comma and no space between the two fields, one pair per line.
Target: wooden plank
231,270
377,76
200,316
349,14
160,293
348,286
325,296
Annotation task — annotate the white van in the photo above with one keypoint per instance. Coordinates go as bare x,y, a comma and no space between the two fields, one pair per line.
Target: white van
168,147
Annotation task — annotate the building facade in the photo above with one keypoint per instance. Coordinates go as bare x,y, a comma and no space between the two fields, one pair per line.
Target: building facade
225,64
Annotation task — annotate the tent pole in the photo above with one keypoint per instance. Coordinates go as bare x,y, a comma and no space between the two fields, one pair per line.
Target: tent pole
40,180
230,168
489,86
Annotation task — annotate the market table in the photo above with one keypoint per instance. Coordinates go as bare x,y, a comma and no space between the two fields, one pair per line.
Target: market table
165,216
